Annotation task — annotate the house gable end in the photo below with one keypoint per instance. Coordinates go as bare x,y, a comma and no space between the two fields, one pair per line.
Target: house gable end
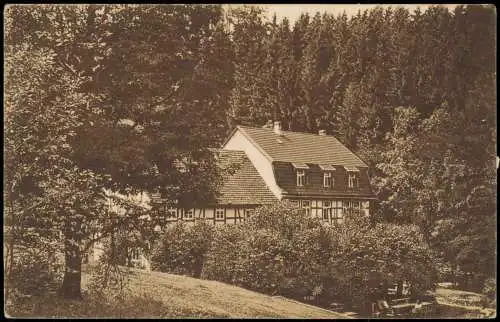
240,141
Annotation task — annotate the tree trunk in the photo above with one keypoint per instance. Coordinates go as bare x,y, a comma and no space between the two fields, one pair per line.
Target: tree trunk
72,283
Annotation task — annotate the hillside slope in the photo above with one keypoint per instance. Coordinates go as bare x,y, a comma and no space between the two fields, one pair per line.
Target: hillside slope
155,294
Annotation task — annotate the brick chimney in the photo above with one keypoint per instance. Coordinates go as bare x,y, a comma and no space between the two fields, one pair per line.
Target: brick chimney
322,132
277,127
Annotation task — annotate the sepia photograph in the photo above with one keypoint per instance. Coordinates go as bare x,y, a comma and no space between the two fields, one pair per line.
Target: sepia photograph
250,161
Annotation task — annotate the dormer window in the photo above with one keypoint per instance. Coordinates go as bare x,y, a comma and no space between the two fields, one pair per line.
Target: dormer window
301,177
327,175
300,169
353,180
327,180
352,174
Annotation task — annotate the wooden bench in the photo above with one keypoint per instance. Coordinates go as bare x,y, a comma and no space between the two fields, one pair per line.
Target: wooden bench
400,301
403,308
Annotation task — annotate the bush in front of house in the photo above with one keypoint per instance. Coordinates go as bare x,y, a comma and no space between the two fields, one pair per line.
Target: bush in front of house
278,251
182,248
281,251
244,258
371,258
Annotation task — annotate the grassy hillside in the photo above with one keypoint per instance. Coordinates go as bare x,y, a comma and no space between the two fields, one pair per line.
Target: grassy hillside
155,294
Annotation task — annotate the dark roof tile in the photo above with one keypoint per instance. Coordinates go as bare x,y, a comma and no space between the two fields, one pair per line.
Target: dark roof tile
244,186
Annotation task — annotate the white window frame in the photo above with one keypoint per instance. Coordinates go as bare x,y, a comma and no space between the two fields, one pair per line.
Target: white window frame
353,180
219,214
327,210
306,204
349,205
171,213
337,214
189,214
328,179
135,253
301,177
337,211
249,212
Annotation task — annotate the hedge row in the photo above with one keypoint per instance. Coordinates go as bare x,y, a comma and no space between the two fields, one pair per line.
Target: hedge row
280,251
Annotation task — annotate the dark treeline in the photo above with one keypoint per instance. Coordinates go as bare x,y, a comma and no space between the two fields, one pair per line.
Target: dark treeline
348,75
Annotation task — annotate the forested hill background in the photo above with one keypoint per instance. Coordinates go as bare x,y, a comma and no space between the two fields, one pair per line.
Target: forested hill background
412,93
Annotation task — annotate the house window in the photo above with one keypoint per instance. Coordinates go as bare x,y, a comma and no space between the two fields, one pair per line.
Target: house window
248,213
352,207
327,210
135,253
171,213
306,204
336,215
301,177
353,180
189,214
219,214
327,180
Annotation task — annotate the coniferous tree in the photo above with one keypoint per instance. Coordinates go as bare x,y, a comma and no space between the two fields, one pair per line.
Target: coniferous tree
315,62
282,95
248,37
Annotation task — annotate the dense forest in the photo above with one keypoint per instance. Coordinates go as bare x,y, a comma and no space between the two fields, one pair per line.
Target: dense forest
412,93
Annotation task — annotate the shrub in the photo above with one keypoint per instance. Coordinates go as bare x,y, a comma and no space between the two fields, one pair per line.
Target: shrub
278,251
108,278
226,250
35,267
183,248
370,258
282,251
121,247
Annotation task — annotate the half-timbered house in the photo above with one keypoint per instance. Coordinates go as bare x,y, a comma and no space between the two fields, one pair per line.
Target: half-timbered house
314,171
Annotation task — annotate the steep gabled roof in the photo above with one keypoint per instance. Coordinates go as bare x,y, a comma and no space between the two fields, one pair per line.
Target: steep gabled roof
243,185
300,147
